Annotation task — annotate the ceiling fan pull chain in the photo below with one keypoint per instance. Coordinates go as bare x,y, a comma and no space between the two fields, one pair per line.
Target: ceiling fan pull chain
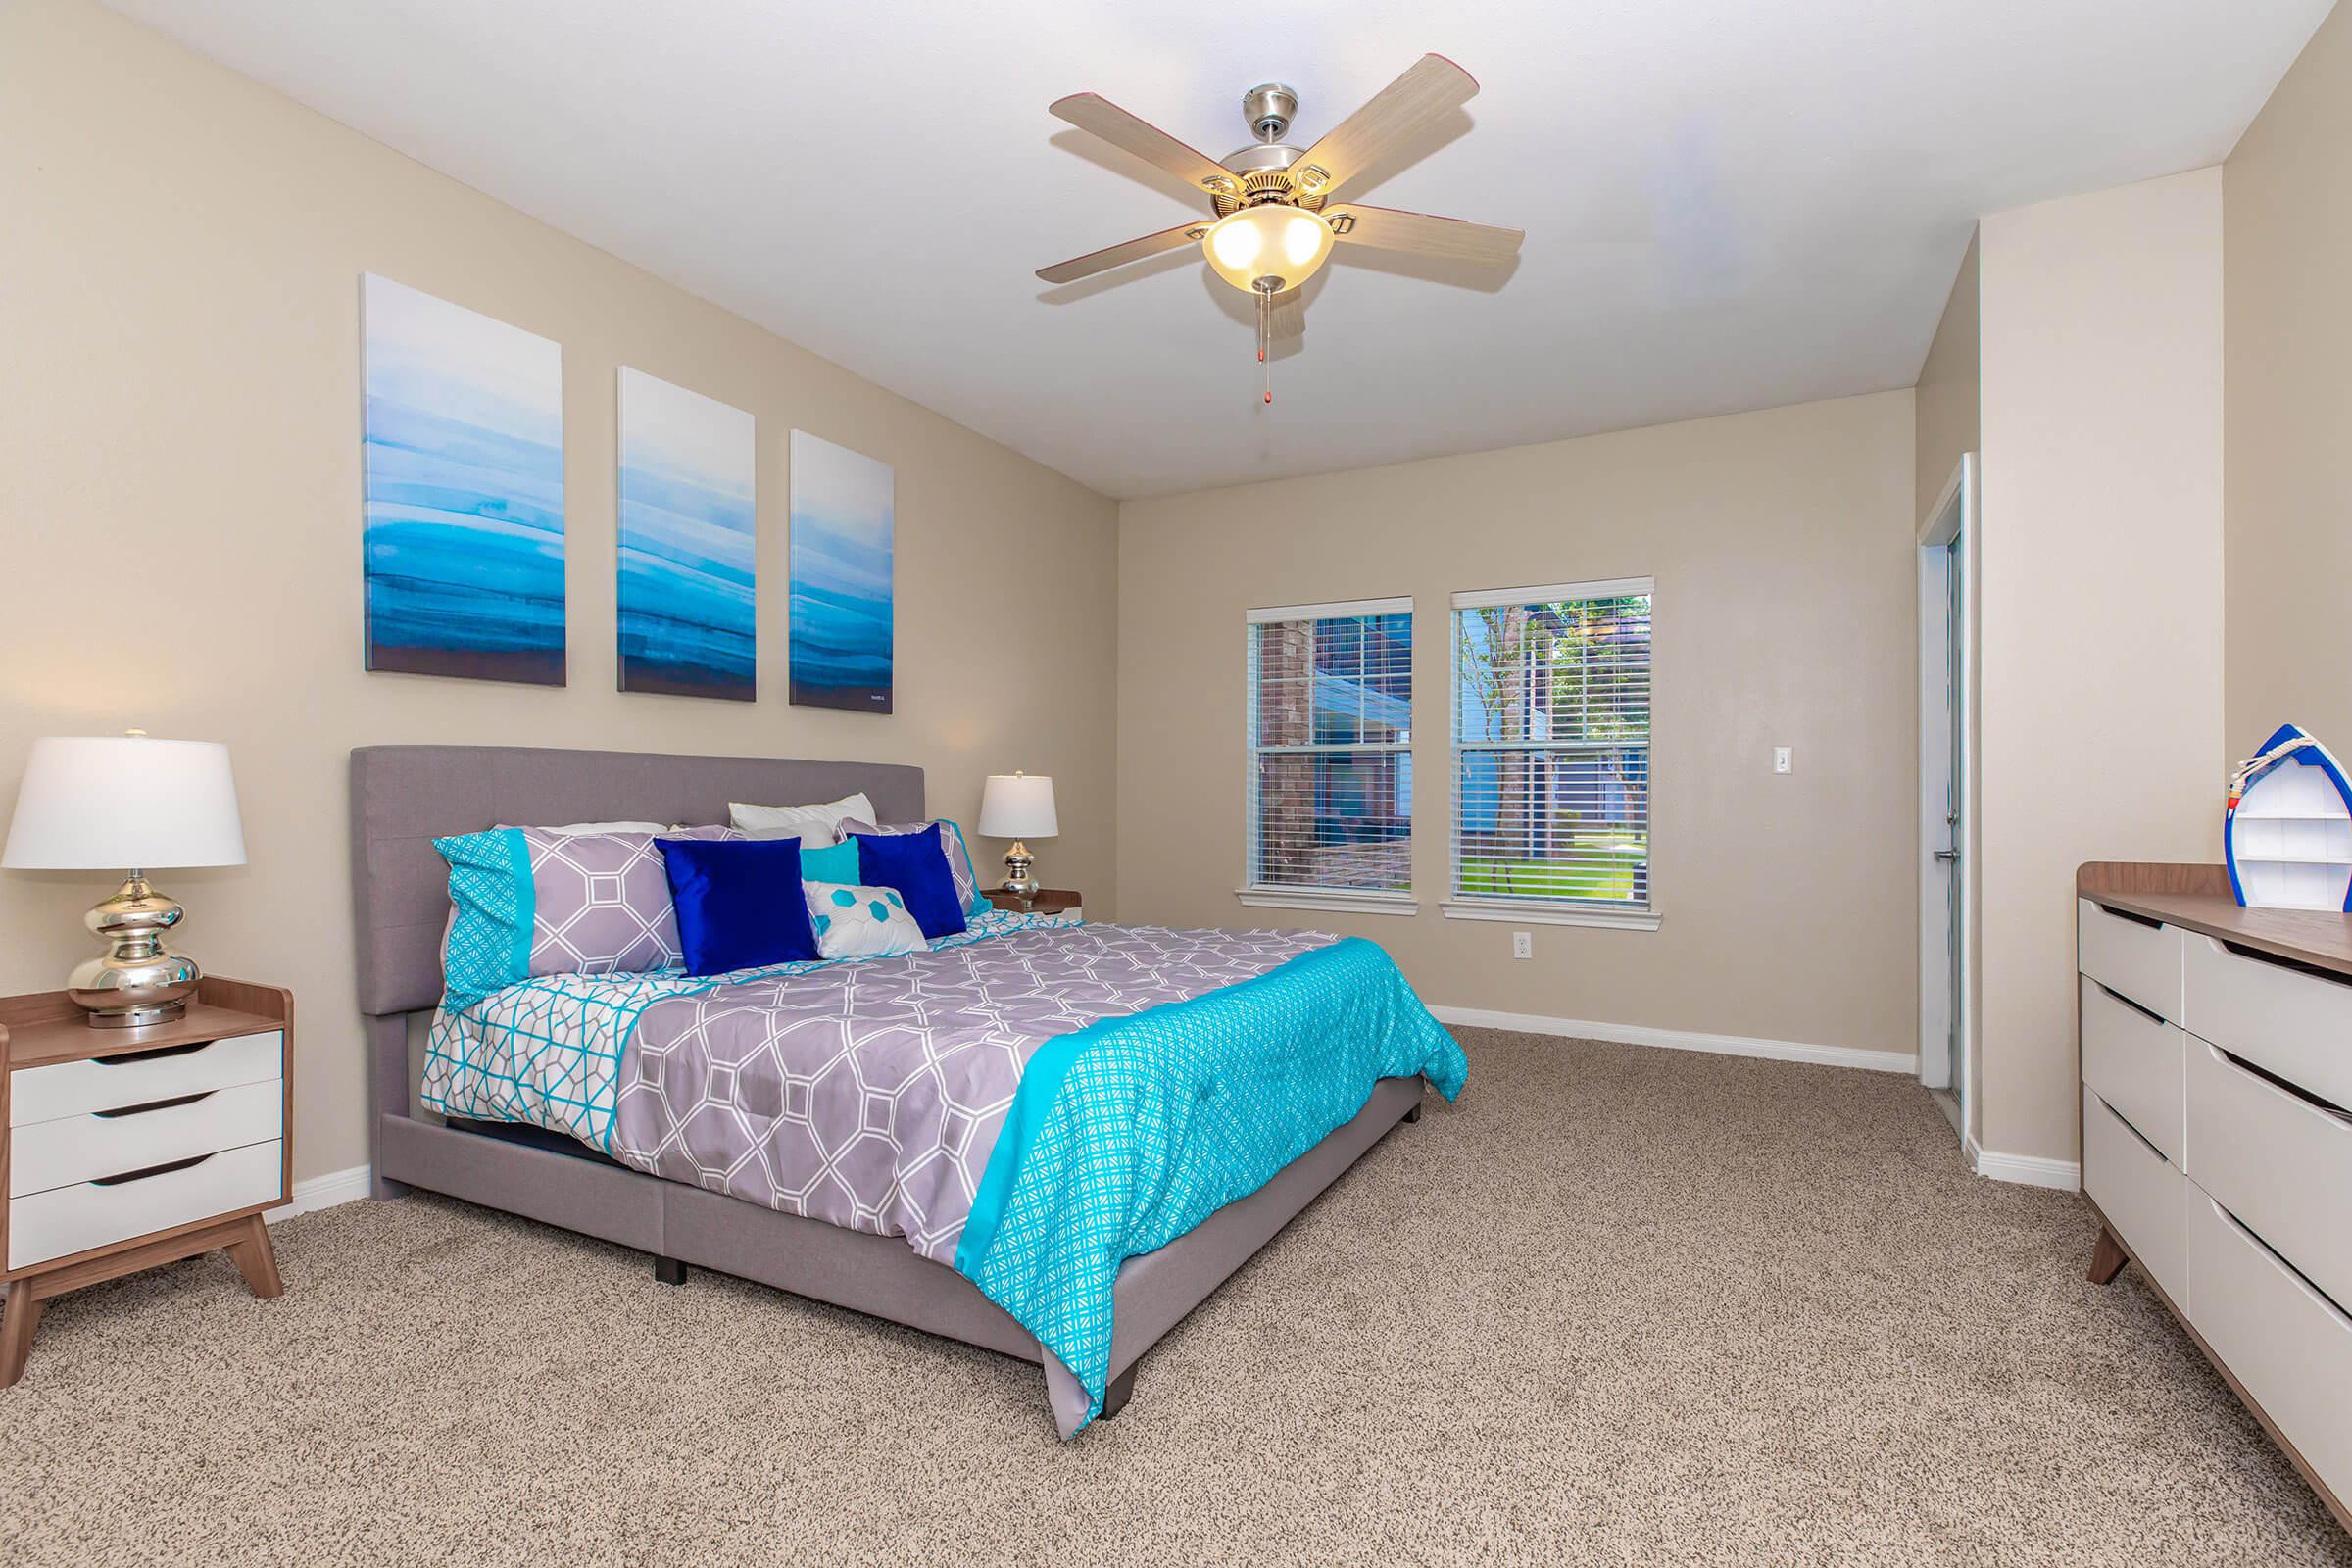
1265,307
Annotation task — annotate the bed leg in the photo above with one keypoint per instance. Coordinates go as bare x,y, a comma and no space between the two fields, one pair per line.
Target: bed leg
1115,1398
670,1271
1412,1115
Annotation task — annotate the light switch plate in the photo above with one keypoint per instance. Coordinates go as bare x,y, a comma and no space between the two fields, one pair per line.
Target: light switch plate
1783,759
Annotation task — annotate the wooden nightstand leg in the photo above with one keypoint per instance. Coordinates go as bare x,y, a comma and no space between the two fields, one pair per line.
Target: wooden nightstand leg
24,1316
257,1260
2107,1260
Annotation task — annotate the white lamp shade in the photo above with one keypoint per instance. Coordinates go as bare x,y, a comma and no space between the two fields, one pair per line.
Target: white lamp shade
124,802
1017,806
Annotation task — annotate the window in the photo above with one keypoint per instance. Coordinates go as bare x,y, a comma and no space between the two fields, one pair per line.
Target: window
1551,754
1331,762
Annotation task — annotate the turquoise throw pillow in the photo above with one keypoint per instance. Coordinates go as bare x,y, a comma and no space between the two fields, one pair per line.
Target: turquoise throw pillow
837,863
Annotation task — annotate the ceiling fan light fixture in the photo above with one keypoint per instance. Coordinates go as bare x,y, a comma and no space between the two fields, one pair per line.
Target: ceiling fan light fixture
1269,240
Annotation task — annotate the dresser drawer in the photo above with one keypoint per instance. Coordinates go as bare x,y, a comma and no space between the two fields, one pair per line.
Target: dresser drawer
2287,1344
2134,959
2282,1020
2280,1164
72,1088
2141,1194
80,1148
2134,1062
72,1219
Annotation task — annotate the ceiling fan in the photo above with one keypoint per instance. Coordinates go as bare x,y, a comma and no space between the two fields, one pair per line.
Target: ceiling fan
1275,208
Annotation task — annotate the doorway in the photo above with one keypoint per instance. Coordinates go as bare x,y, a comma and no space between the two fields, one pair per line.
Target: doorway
1948,798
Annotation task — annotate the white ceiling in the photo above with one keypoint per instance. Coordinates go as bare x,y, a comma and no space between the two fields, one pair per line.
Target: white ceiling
1729,204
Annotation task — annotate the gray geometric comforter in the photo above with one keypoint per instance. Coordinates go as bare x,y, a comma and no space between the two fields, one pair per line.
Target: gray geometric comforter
866,1093
869,1094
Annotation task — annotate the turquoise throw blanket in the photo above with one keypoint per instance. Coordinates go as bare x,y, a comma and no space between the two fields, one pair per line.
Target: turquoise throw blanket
1126,1134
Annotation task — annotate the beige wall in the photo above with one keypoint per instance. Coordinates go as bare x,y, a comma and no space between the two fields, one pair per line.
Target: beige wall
1781,545
180,486
2288,204
1950,391
2101,558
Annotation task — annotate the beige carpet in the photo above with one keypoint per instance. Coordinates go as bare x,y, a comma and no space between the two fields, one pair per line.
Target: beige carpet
1620,1306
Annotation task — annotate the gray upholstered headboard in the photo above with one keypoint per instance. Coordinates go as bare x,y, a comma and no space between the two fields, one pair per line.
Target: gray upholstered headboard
404,797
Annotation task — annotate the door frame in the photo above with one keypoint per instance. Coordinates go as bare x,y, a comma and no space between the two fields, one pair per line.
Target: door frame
1955,513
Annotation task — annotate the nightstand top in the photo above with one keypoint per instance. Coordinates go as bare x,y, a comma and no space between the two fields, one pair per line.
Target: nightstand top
43,1027
1045,901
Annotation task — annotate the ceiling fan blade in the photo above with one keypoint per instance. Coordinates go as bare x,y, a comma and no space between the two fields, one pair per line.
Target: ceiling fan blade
1285,317
1392,229
1098,115
1134,250
1425,92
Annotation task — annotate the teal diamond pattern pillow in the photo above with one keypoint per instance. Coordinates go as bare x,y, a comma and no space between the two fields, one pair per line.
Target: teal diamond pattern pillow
488,944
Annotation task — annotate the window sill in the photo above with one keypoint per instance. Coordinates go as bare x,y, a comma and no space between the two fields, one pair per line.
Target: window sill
1552,914
1331,900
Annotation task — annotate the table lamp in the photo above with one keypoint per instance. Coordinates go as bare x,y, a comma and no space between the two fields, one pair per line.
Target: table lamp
1018,807
107,803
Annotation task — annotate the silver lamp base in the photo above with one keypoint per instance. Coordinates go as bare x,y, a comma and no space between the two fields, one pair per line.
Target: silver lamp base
137,981
1020,867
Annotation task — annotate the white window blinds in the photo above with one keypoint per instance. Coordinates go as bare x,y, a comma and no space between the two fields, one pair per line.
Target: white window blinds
1330,747
1552,745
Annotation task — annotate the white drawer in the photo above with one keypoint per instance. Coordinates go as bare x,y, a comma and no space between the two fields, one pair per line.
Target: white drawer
71,1088
2134,1062
72,1219
2281,1340
2282,1020
2142,1195
2280,1164
80,1148
2133,958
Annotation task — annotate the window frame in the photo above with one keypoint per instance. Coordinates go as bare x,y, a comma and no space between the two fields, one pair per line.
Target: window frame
1527,909
1287,896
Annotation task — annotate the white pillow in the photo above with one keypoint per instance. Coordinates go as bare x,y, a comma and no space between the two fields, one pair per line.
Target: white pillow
570,828
860,923
818,827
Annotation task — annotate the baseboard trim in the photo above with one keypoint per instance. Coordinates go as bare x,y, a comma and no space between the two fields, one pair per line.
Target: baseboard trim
1629,1034
2026,1170
325,1191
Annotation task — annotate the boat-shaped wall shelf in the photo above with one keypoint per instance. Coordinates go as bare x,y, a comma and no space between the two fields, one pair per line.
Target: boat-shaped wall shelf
2289,829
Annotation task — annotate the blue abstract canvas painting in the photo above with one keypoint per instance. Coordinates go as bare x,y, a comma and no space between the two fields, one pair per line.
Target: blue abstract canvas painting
688,527
464,508
840,577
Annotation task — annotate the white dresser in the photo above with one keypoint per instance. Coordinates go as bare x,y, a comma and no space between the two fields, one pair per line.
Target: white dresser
2217,1135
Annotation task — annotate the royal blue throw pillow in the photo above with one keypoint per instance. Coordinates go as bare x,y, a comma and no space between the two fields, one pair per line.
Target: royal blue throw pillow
738,903
916,867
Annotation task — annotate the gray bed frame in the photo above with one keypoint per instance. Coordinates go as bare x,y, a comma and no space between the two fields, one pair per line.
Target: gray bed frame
403,797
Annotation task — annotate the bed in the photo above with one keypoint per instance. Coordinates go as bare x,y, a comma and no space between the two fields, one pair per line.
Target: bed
1129,1114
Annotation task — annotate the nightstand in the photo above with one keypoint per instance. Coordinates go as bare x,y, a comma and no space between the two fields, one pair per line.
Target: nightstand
126,1149
1048,901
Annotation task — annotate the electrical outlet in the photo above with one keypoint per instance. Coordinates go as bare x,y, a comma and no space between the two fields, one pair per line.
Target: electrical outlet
1523,945
1783,759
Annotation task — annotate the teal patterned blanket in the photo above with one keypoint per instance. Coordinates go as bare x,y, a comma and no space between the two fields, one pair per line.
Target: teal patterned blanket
1126,1134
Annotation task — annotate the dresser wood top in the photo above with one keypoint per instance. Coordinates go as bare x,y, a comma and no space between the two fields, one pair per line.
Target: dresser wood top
45,1028
2197,898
